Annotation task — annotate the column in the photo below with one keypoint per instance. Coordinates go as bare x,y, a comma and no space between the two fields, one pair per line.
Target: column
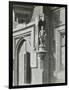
42,50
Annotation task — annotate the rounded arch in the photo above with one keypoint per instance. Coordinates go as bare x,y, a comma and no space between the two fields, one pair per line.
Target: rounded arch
17,49
21,41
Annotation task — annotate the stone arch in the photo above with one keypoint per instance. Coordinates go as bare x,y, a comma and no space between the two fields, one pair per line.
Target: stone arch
18,50
21,40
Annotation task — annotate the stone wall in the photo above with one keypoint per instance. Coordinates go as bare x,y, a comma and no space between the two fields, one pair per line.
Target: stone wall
54,19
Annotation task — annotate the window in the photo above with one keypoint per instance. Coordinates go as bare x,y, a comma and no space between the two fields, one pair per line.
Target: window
62,51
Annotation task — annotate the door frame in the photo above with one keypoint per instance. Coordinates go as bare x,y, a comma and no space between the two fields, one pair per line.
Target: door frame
57,33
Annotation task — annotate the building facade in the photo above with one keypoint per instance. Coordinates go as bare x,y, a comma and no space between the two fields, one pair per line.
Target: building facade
38,44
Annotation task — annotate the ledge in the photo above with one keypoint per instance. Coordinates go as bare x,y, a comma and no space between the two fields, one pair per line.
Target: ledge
22,26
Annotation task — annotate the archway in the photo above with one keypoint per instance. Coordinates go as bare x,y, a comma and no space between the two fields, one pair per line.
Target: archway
23,62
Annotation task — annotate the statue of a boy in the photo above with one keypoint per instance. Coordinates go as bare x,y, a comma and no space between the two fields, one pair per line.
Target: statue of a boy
42,36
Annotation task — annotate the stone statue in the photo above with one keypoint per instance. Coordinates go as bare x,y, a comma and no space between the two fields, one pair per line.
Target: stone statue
42,36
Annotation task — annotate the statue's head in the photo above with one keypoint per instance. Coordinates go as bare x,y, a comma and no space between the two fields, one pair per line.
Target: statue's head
41,17
41,27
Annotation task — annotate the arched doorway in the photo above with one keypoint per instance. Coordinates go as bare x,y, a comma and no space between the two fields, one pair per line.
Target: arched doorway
23,63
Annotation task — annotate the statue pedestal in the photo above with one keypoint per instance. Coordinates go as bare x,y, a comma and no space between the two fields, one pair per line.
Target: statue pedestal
42,55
